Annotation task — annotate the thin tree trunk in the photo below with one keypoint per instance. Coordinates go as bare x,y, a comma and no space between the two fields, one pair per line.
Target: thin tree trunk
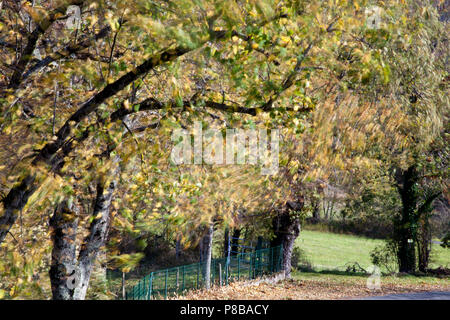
333,200
201,249
235,241
208,256
124,292
226,242
178,248
316,211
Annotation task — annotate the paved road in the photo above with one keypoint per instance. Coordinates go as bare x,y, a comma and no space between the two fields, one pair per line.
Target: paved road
431,295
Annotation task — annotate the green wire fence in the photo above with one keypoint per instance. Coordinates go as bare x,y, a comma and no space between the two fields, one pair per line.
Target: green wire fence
243,266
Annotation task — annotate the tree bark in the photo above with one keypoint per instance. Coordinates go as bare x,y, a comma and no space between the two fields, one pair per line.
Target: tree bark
226,241
70,276
178,248
63,269
124,291
412,227
235,241
14,202
286,228
424,243
96,239
208,241
424,231
405,229
315,211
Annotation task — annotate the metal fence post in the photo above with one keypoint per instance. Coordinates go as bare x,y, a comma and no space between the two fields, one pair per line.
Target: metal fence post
261,266
276,253
271,260
227,268
280,259
257,263
183,277
213,264
139,290
239,266
250,267
198,273
150,287
165,285
178,278
144,288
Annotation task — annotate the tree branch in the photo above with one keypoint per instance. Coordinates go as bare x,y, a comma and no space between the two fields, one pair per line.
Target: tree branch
113,88
41,28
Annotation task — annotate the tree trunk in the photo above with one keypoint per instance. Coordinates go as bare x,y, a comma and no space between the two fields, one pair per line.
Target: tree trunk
14,202
413,217
63,270
208,255
424,243
201,249
315,211
333,200
96,239
286,228
405,229
424,231
226,241
235,242
124,291
70,276
178,248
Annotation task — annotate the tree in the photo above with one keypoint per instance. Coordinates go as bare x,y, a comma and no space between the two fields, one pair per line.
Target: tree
116,84
208,256
286,228
396,113
118,81
422,88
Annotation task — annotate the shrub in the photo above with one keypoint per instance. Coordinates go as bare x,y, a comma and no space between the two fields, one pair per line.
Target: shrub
385,256
300,261
446,241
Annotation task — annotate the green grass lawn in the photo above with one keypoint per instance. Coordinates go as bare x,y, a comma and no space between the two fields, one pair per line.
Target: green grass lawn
329,254
336,277
332,251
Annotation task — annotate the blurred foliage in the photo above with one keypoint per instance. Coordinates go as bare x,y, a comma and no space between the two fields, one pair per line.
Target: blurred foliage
346,98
